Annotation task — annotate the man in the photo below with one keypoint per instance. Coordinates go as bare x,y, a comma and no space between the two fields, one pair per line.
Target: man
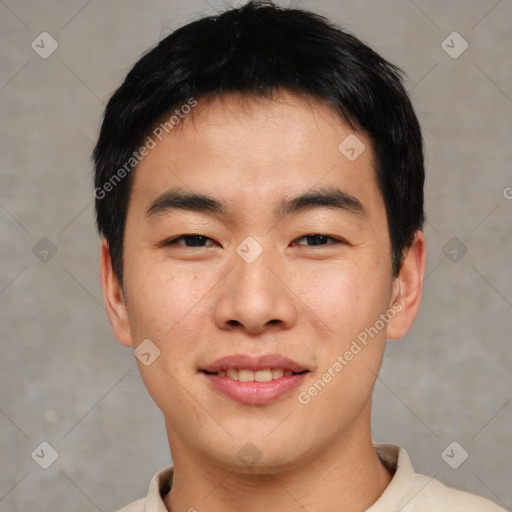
259,191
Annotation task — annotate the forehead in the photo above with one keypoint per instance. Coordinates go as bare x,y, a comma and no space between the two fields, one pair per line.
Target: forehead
253,151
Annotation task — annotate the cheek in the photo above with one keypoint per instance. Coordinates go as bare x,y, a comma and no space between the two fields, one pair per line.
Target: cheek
346,296
164,303
168,307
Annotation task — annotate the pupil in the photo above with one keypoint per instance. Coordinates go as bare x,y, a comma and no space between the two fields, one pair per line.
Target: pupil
317,239
195,240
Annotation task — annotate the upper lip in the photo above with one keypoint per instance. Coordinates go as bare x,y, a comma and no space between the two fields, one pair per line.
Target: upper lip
252,362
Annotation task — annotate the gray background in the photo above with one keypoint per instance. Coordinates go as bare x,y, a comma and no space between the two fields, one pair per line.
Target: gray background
64,379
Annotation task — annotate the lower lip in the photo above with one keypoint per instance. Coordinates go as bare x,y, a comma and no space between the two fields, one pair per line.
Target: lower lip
255,393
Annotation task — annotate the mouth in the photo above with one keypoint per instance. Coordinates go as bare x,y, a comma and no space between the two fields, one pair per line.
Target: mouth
262,375
254,380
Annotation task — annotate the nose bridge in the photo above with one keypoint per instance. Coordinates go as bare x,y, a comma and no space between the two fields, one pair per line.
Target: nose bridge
251,265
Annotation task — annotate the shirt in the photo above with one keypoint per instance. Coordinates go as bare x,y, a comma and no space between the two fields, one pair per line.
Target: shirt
408,491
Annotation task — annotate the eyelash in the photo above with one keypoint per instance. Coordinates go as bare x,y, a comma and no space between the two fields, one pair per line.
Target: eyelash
196,236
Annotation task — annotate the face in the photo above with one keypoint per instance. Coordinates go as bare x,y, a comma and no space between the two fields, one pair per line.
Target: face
277,264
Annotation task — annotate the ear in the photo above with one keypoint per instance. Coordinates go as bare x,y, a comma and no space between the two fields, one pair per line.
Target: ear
114,300
408,288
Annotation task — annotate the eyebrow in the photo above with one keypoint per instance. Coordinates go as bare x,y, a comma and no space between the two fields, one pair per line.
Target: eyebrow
327,197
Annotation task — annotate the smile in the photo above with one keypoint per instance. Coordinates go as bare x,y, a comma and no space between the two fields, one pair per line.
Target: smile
245,375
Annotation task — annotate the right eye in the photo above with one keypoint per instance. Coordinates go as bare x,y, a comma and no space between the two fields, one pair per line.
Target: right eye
190,241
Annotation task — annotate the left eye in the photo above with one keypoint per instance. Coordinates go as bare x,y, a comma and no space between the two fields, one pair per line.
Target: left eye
316,239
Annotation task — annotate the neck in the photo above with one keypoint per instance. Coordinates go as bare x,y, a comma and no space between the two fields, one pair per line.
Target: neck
347,471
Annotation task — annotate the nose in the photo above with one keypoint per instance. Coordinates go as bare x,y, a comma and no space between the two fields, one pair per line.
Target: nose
256,297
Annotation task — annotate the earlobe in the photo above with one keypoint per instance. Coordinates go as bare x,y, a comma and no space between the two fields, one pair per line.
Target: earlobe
408,287
114,298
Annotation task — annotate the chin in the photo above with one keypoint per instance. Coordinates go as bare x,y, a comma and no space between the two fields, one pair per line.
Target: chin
259,457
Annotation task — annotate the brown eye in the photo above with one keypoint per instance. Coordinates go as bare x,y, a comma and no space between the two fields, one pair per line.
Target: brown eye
189,241
317,239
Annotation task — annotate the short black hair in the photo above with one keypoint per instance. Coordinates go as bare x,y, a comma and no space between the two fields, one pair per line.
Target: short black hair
258,50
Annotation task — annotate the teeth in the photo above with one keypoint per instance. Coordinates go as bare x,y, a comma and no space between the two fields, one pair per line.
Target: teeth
277,373
263,375
244,375
232,374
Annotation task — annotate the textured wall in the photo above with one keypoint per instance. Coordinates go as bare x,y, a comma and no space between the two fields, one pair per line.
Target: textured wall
63,377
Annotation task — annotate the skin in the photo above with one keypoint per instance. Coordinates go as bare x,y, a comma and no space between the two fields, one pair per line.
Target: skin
307,302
